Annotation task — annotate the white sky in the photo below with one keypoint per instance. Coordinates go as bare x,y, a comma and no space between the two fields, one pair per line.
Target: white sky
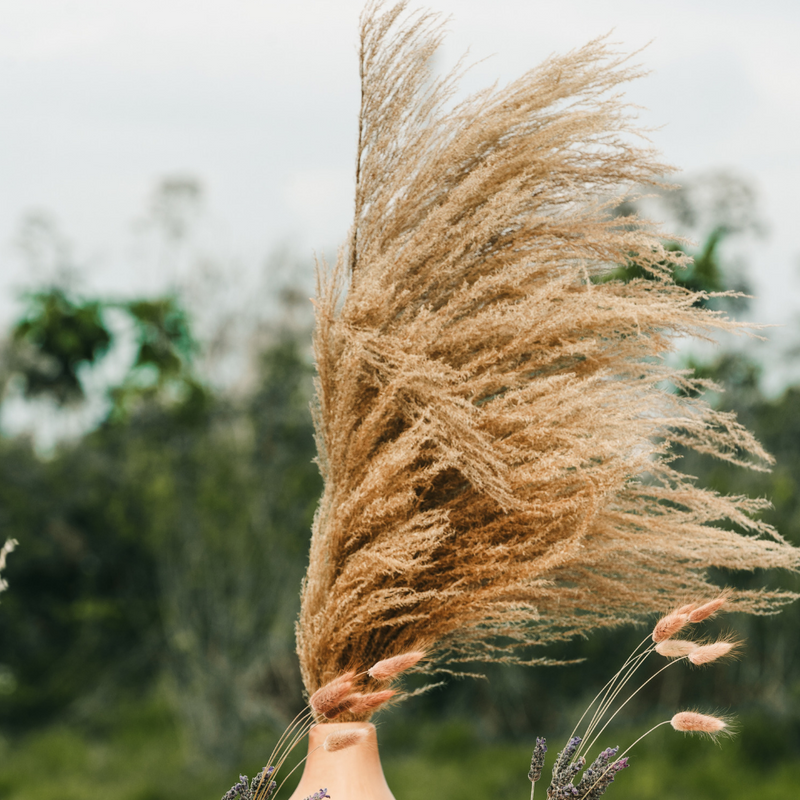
257,98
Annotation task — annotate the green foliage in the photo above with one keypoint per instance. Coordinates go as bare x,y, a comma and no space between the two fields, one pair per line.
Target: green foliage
165,542
140,755
163,362
58,336
83,605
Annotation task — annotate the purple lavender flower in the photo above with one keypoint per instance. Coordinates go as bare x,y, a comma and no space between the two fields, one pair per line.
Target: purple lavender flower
537,759
595,779
562,760
594,786
238,790
563,772
322,793
260,787
596,769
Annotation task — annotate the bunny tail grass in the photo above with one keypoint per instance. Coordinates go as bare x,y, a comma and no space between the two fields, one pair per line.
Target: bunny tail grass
495,416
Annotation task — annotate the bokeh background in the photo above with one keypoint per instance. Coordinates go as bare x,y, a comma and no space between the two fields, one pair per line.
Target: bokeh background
169,169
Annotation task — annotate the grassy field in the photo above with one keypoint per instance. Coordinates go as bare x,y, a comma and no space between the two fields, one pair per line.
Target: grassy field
138,753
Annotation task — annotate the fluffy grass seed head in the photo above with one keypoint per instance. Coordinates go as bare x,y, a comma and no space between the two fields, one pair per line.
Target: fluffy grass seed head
367,703
339,740
331,696
669,625
389,668
707,610
694,722
336,711
675,648
706,653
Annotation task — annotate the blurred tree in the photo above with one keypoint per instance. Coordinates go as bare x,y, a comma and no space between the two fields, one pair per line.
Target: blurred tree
60,335
56,337
169,541
163,366
234,522
45,250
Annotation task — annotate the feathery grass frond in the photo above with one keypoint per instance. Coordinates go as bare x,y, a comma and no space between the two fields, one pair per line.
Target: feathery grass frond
496,423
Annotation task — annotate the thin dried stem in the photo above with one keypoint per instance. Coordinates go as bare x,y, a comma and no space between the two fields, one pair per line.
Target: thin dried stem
665,722
632,695
603,693
300,719
601,711
299,764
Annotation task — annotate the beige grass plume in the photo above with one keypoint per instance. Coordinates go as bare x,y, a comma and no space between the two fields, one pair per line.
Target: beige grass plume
669,625
706,610
365,704
496,420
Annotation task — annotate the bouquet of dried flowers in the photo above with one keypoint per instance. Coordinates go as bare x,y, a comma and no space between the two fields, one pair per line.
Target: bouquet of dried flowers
497,417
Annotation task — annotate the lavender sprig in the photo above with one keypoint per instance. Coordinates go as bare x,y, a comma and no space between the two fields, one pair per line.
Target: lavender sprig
595,779
258,789
600,782
596,769
261,788
322,793
240,790
563,758
537,759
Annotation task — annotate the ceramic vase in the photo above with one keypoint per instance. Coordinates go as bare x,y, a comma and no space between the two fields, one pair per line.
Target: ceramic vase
354,773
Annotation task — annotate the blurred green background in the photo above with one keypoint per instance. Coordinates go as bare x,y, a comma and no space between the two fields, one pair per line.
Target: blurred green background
163,509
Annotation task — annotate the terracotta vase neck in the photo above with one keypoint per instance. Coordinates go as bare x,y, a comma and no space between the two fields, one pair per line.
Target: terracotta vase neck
354,773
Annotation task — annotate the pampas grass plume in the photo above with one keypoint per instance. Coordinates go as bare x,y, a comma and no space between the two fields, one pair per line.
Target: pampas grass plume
492,430
339,740
390,668
675,648
694,722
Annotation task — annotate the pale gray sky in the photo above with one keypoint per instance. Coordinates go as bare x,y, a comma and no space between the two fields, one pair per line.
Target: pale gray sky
258,98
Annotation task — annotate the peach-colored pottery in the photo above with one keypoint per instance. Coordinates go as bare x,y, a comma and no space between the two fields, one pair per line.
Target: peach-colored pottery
354,773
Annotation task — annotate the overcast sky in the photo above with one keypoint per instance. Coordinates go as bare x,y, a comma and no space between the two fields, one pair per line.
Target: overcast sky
257,98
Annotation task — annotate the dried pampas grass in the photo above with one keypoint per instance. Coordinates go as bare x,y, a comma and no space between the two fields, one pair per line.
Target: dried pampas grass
495,418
